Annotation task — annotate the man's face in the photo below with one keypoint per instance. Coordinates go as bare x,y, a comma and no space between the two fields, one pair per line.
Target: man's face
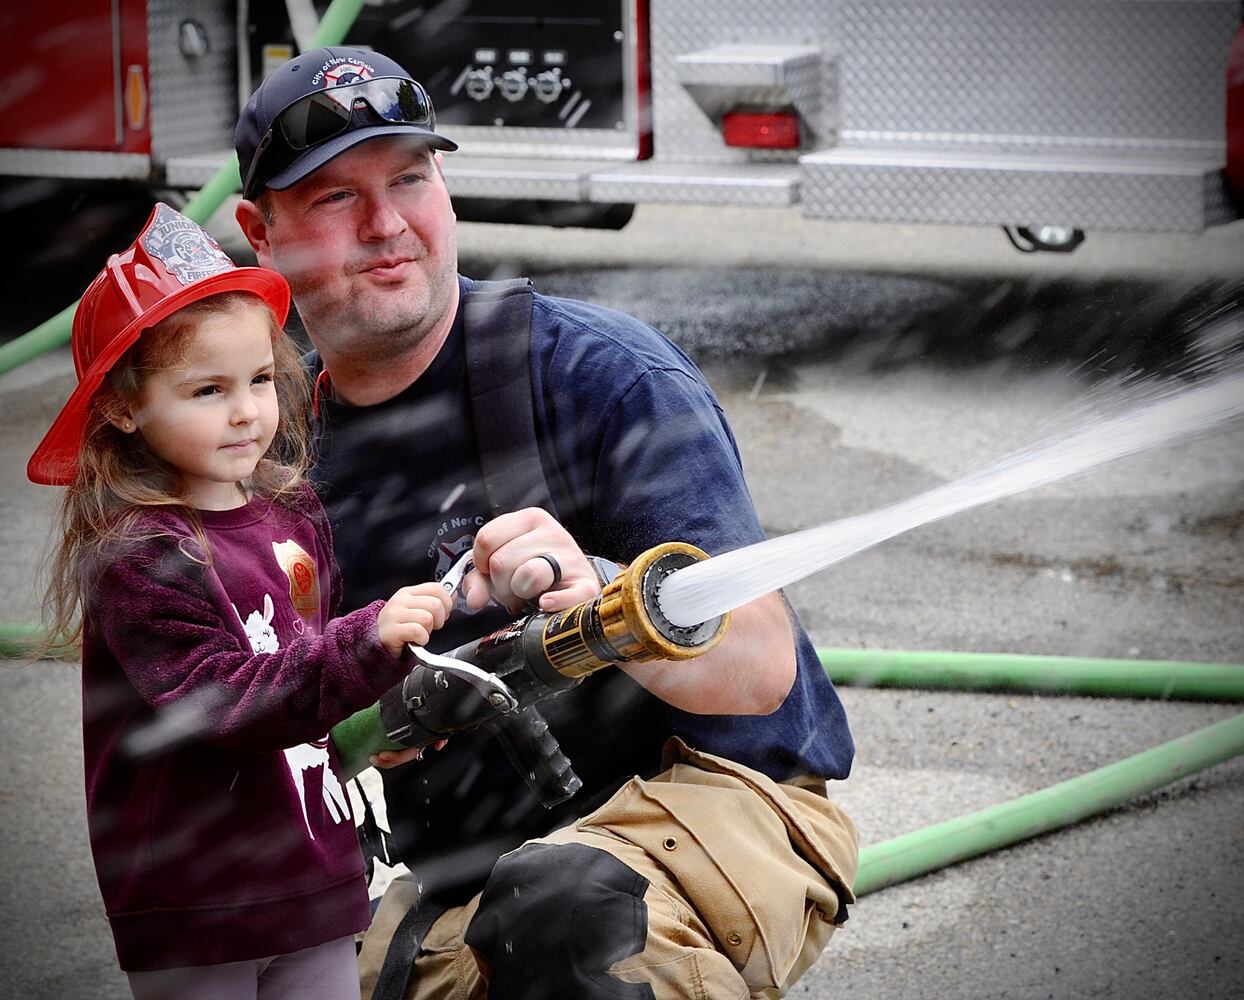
367,243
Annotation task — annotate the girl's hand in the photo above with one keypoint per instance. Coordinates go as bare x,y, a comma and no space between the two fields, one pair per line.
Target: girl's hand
412,615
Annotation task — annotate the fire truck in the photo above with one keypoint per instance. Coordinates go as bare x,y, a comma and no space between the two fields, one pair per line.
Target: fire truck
1048,117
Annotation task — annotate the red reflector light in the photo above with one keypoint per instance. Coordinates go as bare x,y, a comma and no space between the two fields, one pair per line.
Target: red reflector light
761,130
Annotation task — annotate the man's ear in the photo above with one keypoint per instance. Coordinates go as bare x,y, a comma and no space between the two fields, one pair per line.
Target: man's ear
438,161
254,227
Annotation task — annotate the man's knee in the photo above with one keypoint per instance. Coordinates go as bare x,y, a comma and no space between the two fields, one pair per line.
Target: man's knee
554,918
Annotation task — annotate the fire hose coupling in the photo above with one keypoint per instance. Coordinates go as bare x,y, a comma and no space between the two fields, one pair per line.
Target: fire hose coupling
625,623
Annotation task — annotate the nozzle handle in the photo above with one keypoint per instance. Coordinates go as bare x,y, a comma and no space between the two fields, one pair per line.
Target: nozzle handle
535,753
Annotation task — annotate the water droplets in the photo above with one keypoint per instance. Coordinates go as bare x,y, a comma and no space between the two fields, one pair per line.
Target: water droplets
758,384
452,497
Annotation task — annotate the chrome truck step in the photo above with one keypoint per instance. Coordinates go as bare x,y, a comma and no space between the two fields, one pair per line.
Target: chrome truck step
1093,189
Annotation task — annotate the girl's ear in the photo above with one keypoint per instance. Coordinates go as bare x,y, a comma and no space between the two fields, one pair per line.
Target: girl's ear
118,414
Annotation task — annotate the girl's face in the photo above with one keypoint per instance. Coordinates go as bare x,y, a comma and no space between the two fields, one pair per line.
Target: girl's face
212,415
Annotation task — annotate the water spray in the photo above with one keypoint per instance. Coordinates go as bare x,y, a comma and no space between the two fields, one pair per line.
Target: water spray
497,681
1170,414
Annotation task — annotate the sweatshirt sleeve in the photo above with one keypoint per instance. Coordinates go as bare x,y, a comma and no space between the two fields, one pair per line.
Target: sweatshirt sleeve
168,622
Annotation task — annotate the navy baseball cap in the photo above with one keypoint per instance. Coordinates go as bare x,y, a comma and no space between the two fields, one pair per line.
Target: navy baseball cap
321,103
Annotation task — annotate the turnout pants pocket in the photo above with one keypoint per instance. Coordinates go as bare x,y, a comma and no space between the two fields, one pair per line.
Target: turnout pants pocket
766,866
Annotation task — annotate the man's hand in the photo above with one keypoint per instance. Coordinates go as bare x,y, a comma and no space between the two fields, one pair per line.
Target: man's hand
385,759
509,565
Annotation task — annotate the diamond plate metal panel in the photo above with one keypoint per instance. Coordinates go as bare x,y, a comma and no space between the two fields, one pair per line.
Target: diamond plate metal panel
681,130
1137,84
764,76
194,171
194,102
558,180
921,186
1219,206
699,184
992,72
564,144
1036,73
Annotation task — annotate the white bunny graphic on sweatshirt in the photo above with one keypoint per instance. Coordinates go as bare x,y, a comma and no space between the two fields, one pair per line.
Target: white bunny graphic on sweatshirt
259,627
308,756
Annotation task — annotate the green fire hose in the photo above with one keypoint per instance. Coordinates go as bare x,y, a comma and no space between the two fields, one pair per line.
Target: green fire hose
1165,679
51,333
913,854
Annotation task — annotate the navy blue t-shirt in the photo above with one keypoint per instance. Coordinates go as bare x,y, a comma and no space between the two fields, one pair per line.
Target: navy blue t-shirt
637,452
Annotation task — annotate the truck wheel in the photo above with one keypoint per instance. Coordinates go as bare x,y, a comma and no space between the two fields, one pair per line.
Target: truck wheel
1054,239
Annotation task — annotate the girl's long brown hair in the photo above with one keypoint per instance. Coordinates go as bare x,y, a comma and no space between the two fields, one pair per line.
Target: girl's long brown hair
118,476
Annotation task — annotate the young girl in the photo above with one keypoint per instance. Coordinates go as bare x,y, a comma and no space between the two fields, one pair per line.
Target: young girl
200,568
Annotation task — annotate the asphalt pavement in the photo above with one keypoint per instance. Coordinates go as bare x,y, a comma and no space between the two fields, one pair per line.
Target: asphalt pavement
860,366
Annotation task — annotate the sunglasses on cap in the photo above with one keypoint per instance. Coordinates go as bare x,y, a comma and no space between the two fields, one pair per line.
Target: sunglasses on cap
312,120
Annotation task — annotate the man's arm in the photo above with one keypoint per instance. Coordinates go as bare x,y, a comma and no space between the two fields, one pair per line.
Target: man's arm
750,672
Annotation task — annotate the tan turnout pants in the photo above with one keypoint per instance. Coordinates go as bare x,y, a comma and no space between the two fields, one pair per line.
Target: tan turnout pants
742,883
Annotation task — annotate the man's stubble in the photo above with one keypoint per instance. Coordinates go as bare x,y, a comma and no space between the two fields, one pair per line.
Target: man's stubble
376,332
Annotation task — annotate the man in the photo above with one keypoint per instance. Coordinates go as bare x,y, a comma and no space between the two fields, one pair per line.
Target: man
707,879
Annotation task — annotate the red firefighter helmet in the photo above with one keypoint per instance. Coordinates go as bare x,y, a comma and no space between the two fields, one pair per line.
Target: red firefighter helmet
171,264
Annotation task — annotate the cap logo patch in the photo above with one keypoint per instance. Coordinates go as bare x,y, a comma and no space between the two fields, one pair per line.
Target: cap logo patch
183,247
341,72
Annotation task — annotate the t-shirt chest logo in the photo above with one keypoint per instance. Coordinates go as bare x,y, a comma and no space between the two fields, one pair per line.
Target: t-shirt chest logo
304,585
258,627
454,536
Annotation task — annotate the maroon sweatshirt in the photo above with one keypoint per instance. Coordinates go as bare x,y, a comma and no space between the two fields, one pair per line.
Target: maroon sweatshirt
219,821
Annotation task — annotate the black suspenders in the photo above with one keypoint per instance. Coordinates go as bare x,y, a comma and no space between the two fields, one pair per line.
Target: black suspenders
496,318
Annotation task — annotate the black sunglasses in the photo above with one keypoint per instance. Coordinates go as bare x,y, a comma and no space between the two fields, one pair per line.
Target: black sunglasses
312,120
